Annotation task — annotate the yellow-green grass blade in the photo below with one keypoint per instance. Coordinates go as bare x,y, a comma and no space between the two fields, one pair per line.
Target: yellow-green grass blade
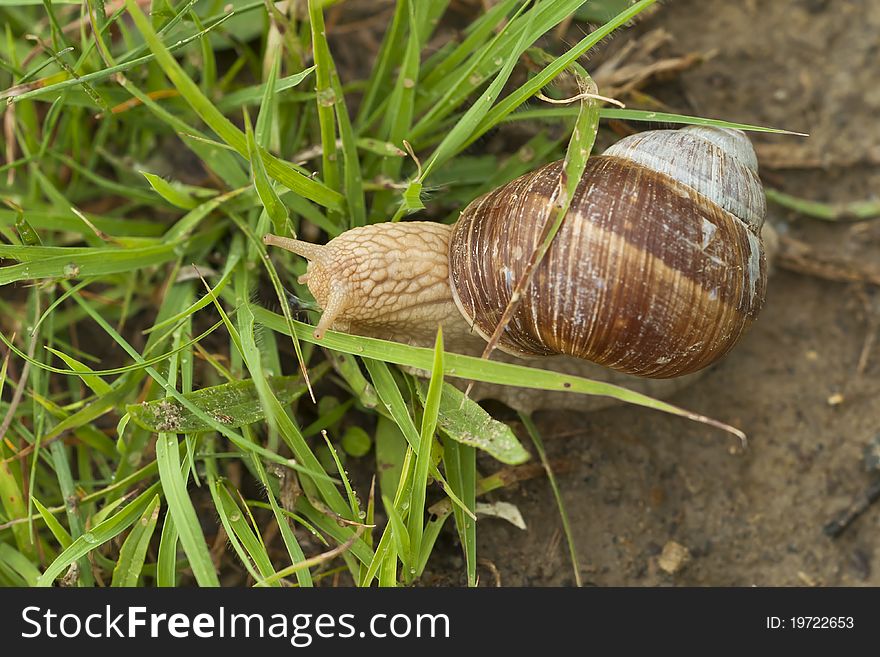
255,94
61,535
176,195
14,506
95,262
325,95
464,127
265,191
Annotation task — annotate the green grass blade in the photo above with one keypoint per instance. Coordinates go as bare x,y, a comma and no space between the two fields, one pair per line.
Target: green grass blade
349,491
464,128
268,196
174,194
134,549
95,383
460,465
303,576
166,562
181,509
465,421
542,79
20,564
257,93
400,537
581,143
235,404
14,506
100,534
476,369
380,77
563,514
429,539
97,262
250,549
423,459
326,95
61,535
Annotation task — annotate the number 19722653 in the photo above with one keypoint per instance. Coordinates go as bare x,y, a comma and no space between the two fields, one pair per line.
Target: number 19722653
810,623
822,622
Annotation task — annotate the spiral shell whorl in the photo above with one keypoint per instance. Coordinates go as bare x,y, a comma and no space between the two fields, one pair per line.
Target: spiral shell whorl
719,163
647,275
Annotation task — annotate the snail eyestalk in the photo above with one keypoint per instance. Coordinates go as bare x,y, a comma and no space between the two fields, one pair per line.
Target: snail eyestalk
307,250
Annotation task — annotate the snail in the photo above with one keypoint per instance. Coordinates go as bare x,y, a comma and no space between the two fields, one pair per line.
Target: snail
657,270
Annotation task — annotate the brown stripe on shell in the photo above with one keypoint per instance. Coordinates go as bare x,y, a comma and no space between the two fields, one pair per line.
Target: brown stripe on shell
645,276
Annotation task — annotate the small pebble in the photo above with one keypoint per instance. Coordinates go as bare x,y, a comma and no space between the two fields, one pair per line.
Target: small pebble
674,557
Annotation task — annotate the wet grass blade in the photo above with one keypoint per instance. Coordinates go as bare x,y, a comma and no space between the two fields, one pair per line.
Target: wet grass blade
236,404
303,576
187,527
104,531
465,421
134,550
416,526
250,549
166,562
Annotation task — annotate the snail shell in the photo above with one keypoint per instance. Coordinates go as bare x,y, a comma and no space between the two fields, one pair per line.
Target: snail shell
657,269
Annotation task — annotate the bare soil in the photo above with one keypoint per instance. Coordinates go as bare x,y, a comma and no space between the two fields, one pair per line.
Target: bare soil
635,481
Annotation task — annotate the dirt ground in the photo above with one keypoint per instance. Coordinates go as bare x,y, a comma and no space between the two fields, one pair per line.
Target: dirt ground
637,480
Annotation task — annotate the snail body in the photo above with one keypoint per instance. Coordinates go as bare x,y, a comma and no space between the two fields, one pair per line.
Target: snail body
657,269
